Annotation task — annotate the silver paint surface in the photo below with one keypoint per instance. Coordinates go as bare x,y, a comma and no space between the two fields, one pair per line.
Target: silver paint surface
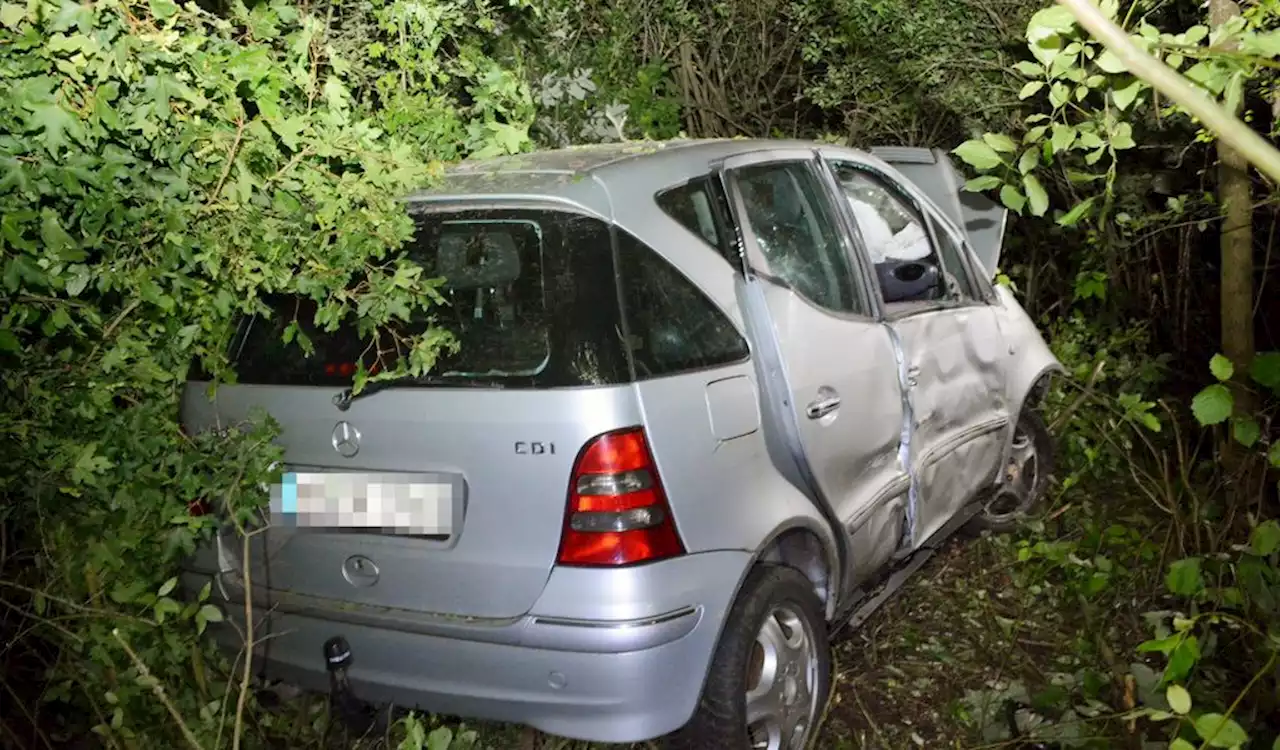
451,624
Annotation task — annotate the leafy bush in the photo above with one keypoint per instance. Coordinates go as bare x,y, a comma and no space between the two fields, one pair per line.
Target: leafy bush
162,169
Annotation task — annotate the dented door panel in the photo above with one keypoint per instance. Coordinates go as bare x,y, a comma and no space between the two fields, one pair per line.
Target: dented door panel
959,407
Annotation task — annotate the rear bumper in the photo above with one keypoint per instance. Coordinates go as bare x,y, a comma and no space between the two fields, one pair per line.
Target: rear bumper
607,656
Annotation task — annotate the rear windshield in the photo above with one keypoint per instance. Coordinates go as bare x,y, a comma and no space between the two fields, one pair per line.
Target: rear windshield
530,295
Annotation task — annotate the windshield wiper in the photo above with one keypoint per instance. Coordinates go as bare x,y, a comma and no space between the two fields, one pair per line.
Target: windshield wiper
343,399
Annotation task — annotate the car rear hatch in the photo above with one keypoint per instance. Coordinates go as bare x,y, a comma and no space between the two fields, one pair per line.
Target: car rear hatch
493,433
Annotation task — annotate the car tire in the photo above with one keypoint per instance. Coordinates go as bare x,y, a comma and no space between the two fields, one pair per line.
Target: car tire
1018,498
775,601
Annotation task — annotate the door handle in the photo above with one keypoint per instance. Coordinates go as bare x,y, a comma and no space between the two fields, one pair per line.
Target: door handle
822,407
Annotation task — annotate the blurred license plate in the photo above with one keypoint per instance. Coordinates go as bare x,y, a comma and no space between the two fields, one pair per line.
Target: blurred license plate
379,502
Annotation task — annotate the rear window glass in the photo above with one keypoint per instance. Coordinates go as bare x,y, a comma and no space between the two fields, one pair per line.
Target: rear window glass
530,295
674,327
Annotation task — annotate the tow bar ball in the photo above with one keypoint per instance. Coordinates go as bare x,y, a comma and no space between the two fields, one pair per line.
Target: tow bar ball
337,654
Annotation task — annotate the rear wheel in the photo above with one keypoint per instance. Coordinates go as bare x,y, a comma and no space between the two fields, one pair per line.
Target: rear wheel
1026,477
771,672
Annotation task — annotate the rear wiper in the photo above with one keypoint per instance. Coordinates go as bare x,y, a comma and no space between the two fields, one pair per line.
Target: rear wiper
343,399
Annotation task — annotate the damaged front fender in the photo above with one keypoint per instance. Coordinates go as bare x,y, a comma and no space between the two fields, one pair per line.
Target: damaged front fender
1030,361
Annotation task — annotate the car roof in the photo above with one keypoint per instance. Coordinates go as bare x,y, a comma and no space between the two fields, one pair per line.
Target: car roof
602,179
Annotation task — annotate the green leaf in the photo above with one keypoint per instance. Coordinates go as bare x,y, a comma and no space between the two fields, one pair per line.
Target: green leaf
1265,370
1183,659
1110,62
985,182
1012,199
1028,161
8,341
11,15
1077,212
168,587
1000,142
978,154
1181,744
1213,405
1233,98
57,123
1122,137
1059,94
1123,97
1246,431
1052,21
1063,137
1265,538
1030,88
211,613
1184,577
1179,699
1029,69
165,607
1221,368
1220,731
1036,195
440,738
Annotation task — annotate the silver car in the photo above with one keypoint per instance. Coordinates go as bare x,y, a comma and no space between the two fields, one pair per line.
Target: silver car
714,399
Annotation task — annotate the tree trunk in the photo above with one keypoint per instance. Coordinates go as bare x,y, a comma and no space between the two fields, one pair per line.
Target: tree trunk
1235,195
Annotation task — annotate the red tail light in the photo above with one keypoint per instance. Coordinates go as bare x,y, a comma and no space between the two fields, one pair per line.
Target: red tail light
618,512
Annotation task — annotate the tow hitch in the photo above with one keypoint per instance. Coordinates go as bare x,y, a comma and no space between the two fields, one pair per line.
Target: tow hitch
358,716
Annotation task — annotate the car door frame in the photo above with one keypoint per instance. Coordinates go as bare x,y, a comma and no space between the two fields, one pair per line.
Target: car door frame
775,387
928,515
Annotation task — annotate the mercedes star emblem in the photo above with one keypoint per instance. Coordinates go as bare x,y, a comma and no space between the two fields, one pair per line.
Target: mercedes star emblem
346,439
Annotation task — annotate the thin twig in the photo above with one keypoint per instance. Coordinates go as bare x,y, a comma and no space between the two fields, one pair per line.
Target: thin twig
246,673
158,689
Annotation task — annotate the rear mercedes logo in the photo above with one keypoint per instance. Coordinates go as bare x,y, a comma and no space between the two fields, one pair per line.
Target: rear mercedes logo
346,439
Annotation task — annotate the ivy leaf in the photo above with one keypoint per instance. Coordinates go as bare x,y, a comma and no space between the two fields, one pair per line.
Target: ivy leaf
985,182
1220,731
1030,88
1012,199
1184,577
978,154
1179,699
1265,370
1124,97
1246,431
1221,368
1273,455
1036,195
57,123
1213,405
1265,538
